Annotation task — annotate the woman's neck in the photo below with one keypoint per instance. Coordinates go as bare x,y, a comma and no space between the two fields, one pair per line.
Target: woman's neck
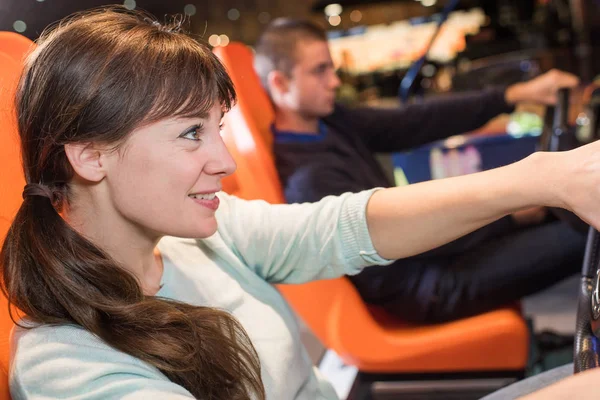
124,242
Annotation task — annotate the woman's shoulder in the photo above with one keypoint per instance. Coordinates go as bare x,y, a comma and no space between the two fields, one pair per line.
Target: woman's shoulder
34,345
67,360
28,334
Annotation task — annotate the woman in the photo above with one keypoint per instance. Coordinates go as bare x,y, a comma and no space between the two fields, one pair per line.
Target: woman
139,282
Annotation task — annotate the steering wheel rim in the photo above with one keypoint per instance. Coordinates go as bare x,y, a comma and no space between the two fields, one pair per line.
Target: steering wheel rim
587,329
586,352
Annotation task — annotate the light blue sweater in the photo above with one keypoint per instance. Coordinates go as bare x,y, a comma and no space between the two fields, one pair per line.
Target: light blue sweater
256,244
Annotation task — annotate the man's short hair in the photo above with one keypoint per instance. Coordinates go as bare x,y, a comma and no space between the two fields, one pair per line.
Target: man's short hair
276,46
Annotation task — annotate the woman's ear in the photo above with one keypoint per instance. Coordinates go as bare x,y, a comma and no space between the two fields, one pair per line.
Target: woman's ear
87,161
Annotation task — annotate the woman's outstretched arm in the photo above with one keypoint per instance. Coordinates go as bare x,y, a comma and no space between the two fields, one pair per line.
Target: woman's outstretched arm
408,220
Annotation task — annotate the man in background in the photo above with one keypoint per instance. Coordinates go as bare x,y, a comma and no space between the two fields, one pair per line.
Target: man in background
322,148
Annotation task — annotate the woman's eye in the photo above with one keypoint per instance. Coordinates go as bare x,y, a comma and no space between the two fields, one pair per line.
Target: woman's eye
192,134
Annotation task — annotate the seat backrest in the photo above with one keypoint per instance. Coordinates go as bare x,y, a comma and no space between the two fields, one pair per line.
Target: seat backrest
11,178
11,186
248,137
238,59
247,130
13,50
15,46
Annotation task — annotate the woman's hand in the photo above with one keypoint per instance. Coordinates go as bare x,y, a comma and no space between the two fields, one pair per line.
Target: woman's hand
530,216
574,176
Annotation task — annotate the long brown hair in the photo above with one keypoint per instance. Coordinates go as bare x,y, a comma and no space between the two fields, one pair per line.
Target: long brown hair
95,77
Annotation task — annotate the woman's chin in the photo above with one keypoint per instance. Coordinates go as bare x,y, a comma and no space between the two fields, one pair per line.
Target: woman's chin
207,228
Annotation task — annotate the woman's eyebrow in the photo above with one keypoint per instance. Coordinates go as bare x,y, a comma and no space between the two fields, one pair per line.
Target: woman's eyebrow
182,119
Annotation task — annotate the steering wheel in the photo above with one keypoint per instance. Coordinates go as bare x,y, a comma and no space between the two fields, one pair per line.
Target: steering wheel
586,353
557,136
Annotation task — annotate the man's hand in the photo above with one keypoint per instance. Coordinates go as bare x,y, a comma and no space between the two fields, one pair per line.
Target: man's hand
542,89
530,216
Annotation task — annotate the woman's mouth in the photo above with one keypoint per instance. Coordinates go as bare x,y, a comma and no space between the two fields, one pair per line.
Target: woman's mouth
208,200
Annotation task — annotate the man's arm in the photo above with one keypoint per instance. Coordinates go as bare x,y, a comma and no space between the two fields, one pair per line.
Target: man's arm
398,129
389,130
311,183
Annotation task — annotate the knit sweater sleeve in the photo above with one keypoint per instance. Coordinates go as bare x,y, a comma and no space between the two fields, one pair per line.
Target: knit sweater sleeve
296,243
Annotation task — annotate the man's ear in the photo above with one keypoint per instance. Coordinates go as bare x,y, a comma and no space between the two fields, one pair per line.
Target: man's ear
278,82
87,160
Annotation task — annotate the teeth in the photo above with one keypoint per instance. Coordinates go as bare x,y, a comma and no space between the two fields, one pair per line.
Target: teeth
208,196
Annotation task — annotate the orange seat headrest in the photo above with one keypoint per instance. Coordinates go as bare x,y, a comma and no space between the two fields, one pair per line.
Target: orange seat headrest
252,97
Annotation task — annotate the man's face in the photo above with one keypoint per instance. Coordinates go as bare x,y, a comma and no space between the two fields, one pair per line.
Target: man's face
313,80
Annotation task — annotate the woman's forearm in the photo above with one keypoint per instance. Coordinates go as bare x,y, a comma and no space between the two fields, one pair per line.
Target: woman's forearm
408,220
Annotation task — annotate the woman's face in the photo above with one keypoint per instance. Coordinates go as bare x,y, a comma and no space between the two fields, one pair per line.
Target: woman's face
164,178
